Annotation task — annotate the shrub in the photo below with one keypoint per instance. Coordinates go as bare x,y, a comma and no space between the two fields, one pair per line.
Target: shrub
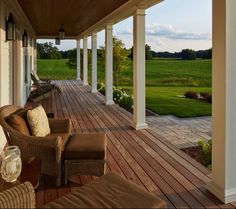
205,148
117,94
120,97
101,88
209,99
126,101
206,97
191,95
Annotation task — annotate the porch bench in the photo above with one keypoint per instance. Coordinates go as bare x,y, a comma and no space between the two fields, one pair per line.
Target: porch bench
85,154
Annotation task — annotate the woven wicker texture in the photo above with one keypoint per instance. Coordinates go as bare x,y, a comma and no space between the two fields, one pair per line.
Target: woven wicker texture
48,149
21,196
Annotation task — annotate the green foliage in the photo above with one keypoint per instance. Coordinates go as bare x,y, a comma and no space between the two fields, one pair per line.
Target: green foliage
148,52
126,101
72,58
101,88
188,54
120,97
121,60
205,148
48,51
123,99
117,94
71,55
204,54
200,54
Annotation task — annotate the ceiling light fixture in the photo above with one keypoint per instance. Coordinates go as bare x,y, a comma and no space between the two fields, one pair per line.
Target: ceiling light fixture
62,33
57,41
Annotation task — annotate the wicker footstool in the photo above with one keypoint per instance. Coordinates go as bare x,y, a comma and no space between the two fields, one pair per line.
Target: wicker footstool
85,154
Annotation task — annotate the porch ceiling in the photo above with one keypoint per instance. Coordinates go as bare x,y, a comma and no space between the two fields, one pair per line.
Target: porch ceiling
46,16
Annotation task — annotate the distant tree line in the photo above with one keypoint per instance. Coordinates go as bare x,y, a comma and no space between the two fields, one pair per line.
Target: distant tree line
48,51
185,54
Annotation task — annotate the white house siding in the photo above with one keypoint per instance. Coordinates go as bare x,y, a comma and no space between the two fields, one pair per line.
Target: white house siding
21,90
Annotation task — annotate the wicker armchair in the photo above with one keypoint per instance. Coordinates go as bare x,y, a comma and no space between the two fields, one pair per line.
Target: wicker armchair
48,148
21,196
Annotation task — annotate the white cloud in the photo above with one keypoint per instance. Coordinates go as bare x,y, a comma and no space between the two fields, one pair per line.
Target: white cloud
161,37
170,32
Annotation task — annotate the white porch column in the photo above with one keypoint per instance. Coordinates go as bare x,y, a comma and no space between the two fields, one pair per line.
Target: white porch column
139,114
78,61
223,183
109,65
85,64
94,62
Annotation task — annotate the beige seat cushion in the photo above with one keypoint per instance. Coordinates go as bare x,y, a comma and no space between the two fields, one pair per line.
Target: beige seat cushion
19,124
38,122
109,191
86,146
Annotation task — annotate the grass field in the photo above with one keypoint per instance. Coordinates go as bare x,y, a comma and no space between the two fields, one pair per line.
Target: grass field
55,70
165,80
168,101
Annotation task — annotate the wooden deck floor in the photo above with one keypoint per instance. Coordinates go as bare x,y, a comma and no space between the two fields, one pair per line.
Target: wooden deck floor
140,156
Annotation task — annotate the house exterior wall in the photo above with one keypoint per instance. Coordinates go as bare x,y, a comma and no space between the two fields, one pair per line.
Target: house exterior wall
14,87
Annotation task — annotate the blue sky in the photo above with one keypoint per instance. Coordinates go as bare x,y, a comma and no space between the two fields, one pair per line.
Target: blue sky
171,26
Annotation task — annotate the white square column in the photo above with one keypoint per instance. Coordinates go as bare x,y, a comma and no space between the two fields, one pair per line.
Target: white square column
109,65
78,61
223,183
94,62
139,68
85,61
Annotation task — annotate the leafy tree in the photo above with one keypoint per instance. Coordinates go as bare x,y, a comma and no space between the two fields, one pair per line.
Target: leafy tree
120,58
71,55
148,53
48,51
204,54
188,54
131,54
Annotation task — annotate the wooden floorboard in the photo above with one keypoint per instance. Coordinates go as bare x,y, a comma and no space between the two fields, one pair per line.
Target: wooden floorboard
140,156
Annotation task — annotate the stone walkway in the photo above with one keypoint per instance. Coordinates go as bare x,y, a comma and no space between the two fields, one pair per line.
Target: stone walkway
183,133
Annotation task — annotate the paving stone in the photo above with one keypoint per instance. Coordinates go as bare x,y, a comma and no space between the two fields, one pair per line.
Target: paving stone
180,132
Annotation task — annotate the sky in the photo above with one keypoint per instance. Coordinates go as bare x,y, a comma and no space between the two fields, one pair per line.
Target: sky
171,26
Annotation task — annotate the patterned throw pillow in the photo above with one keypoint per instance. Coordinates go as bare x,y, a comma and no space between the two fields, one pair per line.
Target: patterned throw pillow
38,122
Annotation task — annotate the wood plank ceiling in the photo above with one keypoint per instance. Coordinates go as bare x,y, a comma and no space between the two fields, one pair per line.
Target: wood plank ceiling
46,16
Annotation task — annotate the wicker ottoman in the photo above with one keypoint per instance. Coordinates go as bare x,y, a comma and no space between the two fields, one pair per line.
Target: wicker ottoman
85,154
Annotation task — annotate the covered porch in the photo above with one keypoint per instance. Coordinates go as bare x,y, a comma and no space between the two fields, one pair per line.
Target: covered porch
141,156
134,151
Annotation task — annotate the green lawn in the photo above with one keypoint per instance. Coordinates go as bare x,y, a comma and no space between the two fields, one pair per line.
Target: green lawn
173,72
55,70
168,101
165,79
